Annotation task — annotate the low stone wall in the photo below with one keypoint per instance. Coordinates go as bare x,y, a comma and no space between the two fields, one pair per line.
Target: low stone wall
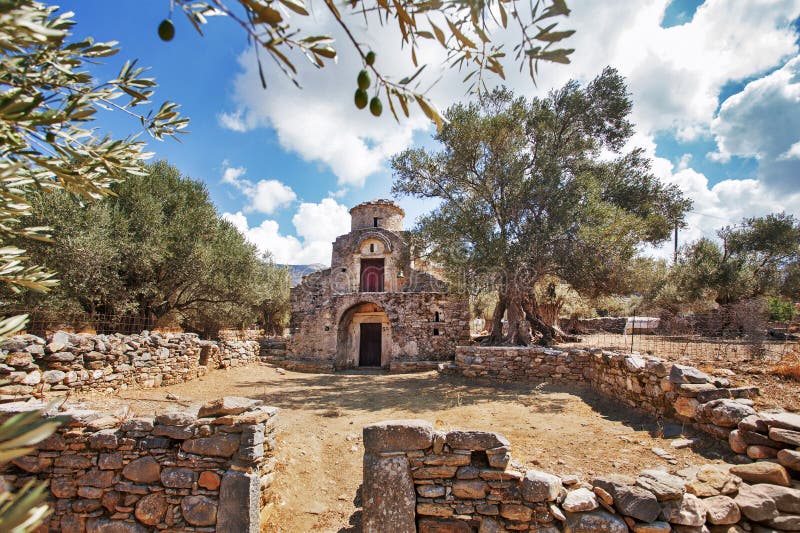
182,471
608,324
649,383
66,361
419,479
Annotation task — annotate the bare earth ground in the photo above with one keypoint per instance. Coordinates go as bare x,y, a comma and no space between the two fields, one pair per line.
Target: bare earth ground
319,447
751,365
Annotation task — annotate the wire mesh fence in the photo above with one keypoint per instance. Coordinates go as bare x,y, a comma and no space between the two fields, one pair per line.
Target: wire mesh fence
729,334
42,322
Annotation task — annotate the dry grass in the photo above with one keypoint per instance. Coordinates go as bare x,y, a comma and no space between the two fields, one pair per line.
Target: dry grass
789,366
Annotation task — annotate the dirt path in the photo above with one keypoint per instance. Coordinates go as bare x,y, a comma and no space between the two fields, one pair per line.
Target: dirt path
319,444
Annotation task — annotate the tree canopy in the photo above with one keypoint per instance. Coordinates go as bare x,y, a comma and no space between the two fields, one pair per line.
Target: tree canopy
536,189
471,33
156,250
48,101
759,257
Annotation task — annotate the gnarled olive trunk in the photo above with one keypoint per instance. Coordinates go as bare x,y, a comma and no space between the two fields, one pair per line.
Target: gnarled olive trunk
523,318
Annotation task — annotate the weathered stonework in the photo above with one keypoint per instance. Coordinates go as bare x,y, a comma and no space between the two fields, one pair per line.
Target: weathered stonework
83,362
177,472
708,403
476,497
418,319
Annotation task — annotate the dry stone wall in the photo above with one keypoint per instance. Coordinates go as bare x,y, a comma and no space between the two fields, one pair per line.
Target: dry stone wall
66,361
419,479
709,403
206,470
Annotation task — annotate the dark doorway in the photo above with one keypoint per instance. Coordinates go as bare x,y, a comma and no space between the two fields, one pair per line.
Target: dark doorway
369,352
372,275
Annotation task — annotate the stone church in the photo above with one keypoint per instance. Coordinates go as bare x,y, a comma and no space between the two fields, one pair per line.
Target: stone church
375,304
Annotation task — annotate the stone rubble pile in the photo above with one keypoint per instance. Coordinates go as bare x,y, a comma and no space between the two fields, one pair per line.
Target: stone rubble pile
66,361
205,470
419,479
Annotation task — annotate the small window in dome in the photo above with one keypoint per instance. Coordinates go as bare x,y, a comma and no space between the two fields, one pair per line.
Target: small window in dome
375,222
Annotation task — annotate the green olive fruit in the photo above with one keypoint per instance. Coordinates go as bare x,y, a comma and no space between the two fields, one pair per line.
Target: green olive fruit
363,80
166,30
375,106
370,58
361,98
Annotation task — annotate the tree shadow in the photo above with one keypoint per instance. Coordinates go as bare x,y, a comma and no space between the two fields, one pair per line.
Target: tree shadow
355,520
360,391
357,391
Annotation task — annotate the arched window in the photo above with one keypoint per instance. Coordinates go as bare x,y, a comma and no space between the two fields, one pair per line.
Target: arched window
436,317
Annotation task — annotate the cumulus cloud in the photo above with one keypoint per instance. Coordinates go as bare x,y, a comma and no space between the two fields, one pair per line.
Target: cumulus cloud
316,224
715,204
265,196
763,121
675,75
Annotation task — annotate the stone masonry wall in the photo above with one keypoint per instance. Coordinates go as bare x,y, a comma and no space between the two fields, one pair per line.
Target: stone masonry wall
84,362
411,316
648,383
182,471
419,479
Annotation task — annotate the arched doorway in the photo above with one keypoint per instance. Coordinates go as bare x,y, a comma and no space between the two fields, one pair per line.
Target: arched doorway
364,337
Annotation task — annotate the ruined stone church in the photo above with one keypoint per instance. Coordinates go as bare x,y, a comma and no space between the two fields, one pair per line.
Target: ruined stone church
377,303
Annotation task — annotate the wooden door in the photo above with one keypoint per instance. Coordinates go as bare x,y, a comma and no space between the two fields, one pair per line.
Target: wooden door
372,275
369,353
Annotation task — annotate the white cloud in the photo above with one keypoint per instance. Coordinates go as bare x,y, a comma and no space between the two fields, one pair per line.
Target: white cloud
317,225
763,121
724,203
675,75
266,196
234,121
231,175
792,153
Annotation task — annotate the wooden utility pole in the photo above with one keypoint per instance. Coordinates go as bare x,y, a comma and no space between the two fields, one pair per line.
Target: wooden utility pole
675,249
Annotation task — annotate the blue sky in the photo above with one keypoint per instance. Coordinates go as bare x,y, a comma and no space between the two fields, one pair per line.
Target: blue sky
715,84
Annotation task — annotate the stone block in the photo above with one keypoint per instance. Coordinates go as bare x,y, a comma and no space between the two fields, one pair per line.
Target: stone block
150,510
762,472
594,522
432,525
143,470
388,492
398,435
216,446
239,502
476,440
474,490
663,485
538,486
229,405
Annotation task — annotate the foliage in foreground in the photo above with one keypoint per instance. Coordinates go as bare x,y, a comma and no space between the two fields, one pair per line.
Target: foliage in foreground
47,103
529,193
24,510
157,250
471,33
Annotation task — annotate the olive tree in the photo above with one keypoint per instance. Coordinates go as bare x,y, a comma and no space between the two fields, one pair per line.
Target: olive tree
539,190
48,101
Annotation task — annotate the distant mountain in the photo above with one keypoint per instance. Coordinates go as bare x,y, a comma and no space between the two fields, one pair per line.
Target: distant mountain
296,272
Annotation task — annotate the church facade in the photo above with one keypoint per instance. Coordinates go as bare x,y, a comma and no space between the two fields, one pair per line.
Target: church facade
375,304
